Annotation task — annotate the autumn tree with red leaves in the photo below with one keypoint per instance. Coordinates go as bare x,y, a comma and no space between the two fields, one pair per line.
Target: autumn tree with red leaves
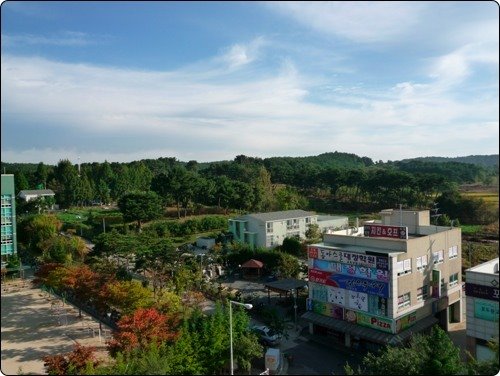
72,363
83,282
140,329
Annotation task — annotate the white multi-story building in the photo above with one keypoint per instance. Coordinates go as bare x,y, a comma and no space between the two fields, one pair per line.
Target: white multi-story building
482,314
379,283
270,229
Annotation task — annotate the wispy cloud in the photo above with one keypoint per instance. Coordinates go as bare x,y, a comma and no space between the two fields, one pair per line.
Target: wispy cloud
65,38
241,54
359,21
195,113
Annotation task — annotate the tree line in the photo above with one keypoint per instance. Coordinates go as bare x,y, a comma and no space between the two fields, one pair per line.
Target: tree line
328,182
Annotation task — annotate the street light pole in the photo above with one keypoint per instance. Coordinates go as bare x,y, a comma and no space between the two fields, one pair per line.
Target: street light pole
247,306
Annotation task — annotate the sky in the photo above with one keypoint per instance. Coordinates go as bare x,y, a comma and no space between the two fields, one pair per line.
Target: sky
207,81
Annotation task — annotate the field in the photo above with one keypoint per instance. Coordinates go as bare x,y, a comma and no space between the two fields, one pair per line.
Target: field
489,197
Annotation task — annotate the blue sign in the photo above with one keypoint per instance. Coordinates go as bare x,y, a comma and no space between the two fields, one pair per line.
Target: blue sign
361,285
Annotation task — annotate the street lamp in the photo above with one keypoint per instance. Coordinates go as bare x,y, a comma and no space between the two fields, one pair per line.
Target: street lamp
247,306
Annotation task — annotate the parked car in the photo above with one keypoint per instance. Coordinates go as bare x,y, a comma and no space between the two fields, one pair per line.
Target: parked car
267,336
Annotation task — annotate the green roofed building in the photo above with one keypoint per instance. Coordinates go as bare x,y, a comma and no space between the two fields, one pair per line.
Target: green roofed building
8,224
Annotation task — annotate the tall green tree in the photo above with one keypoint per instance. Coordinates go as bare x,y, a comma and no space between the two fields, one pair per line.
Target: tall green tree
68,182
140,207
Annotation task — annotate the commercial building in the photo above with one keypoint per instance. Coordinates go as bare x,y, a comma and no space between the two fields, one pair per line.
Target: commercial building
8,224
482,314
379,283
270,229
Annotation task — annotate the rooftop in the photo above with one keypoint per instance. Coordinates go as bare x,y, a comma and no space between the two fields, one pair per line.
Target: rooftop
37,192
278,215
488,267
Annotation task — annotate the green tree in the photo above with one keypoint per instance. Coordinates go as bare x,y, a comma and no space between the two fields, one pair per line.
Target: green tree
433,354
288,199
140,206
313,234
67,179
41,174
292,246
288,266
128,296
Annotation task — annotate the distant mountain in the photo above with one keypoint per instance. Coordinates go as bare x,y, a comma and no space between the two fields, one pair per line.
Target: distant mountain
480,160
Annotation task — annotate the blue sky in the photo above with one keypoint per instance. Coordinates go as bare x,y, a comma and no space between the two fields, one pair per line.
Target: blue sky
124,81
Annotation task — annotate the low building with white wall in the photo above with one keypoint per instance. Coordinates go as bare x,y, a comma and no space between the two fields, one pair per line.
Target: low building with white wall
270,229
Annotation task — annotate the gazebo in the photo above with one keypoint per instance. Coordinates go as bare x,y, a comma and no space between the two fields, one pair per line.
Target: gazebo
250,266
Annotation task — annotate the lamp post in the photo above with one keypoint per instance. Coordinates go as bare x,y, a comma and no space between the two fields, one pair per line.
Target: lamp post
247,306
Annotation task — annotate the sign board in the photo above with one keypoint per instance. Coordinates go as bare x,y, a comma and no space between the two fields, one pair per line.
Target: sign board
486,310
350,258
383,231
406,321
357,271
371,287
369,321
481,291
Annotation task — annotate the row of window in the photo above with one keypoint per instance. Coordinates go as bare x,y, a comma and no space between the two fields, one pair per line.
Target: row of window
404,267
290,224
6,200
423,292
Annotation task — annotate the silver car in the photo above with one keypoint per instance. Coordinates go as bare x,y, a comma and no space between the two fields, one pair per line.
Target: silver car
266,335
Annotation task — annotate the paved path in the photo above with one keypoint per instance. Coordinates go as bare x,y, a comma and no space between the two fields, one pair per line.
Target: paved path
35,324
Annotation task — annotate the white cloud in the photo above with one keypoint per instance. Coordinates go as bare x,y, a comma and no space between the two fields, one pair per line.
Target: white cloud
209,114
65,38
359,21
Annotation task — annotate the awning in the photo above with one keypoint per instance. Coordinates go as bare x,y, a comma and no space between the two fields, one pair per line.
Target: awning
255,264
366,333
285,285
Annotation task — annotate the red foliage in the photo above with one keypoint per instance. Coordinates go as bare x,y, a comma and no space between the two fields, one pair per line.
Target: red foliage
75,360
43,272
83,282
142,328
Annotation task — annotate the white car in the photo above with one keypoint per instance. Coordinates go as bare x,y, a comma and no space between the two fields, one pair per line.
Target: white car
266,335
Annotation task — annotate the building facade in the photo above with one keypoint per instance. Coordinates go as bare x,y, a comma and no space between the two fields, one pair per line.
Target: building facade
482,296
379,283
270,229
8,224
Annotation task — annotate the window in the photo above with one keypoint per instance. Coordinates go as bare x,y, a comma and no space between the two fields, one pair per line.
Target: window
421,262
437,257
403,267
453,252
404,300
453,280
308,220
289,224
269,227
422,293
270,240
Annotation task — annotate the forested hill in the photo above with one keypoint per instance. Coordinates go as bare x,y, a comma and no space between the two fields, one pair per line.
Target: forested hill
480,160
